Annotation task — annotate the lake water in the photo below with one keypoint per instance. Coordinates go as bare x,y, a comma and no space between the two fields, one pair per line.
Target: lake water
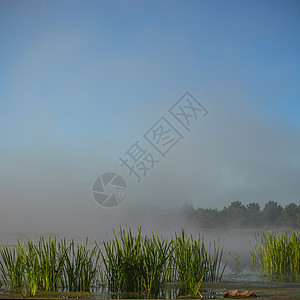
238,275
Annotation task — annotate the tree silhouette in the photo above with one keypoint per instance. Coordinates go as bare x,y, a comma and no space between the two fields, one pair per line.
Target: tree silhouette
249,216
253,214
290,215
271,213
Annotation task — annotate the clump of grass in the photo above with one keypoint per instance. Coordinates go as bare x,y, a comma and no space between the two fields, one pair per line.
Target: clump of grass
32,270
213,255
127,263
120,261
11,264
189,268
80,267
194,262
277,253
133,264
154,262
49,266
136,264
50,257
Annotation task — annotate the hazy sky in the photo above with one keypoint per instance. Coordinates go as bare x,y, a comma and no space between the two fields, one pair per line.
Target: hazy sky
82,81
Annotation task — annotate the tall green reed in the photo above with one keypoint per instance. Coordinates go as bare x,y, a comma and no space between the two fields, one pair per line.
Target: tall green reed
195,259
277,253
127,263
189,268
51,256
122,260
154,271
32,272
194,262
136,264
213,257
49,266
11,264
80,267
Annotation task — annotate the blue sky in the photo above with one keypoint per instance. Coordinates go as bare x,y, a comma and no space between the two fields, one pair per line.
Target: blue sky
80,81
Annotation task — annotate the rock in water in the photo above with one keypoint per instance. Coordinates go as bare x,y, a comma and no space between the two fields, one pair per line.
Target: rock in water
238,294
248,294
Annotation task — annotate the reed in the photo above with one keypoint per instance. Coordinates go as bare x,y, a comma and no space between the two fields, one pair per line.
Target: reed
213,257
49,266
80,267
277,253
145,265
122,259
127,263
193,262
189,268
156,253
50,256
136,264
32,269
11,264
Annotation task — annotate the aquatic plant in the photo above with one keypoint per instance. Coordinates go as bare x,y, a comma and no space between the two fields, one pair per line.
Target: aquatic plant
80,266
126,263
133,263
49,265
194,262
189,268
145,265
154,262
277,253
11,264
32,270
50,257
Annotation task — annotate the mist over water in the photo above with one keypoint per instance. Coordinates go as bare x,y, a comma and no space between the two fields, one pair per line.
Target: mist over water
77,92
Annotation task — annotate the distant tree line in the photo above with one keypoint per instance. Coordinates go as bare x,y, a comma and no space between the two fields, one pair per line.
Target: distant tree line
237,215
